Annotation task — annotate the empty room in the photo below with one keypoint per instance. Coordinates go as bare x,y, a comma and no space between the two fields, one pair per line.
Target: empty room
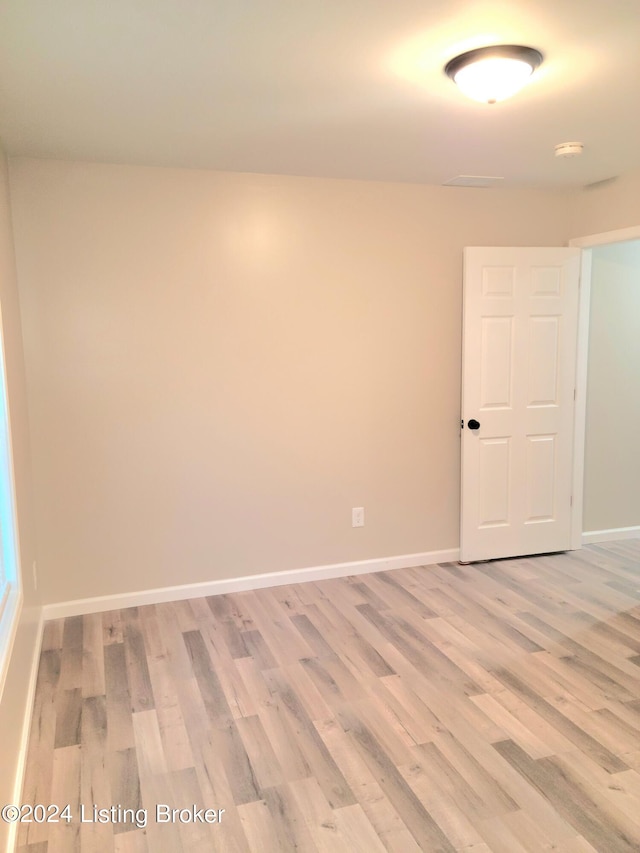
319,502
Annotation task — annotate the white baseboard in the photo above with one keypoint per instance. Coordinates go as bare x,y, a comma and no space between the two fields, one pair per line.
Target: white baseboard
12,835
592,536
217,587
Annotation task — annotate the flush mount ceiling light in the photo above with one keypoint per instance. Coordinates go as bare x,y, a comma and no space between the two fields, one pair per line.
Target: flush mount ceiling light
491,74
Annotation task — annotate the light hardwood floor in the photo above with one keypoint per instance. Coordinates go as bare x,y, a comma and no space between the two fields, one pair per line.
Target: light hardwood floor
491,707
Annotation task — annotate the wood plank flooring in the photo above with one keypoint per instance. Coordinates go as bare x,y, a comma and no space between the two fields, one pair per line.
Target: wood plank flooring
490,707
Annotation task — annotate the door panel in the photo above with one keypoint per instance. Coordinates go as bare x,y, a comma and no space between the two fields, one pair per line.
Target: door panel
495,379
519,360
495,477
541,477
543,361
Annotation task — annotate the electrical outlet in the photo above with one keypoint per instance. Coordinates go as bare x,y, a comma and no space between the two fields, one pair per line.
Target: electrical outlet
357,516
35,575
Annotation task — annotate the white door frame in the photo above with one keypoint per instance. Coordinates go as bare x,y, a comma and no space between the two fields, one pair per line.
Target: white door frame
587,244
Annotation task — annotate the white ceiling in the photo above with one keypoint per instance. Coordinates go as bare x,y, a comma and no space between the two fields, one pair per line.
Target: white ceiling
333,88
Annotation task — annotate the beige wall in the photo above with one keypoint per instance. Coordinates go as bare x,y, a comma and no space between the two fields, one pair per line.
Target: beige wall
13,705
612,460
221,366
607,206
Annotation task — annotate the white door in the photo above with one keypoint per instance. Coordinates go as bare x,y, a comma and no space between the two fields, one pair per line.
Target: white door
518,385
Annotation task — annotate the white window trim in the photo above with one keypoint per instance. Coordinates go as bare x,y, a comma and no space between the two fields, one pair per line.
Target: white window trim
8,628
10,574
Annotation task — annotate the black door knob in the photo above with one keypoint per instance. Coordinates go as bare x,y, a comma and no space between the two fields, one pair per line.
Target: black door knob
473,424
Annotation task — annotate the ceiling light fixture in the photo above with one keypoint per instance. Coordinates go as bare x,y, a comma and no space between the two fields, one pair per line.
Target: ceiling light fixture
491,74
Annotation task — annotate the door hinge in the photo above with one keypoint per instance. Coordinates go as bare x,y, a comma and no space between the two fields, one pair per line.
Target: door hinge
571,501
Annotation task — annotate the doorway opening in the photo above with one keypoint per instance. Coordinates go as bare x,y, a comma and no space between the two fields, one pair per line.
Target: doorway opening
606,503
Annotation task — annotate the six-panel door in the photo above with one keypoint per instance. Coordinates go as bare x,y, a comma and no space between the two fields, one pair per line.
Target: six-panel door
519,364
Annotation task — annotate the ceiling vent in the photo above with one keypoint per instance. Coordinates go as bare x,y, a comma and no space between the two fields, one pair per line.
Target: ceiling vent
473,181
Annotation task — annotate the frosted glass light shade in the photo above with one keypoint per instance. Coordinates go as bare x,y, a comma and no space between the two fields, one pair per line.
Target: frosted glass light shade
492,74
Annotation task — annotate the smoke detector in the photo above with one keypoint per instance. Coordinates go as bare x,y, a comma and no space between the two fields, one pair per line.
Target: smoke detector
569,149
